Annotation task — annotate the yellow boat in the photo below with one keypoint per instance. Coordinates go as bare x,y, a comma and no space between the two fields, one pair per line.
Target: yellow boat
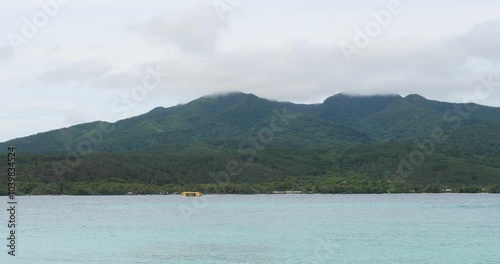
191,194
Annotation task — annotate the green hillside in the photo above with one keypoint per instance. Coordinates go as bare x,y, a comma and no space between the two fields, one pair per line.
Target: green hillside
207,120
360,144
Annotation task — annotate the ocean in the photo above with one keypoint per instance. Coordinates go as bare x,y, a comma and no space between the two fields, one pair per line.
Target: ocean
223,229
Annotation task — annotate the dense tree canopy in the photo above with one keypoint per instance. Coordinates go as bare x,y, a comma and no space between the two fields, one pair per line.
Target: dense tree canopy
240,143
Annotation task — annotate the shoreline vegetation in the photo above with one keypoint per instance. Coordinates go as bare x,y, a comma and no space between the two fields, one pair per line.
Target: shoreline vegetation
115,188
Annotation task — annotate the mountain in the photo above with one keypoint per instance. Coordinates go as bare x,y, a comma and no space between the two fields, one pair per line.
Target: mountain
211,121
349,109
361,140
340,120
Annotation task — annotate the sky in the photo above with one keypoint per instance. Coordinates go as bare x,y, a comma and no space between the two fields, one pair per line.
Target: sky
66,62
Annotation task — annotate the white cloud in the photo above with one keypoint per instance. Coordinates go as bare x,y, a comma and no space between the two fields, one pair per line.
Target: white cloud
81,70
195,30
481,41
283,50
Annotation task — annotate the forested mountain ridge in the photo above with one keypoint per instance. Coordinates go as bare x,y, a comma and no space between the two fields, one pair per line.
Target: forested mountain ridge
207,119
232,116
345,144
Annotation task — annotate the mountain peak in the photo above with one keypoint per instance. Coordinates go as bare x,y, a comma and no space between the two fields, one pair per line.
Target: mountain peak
233,94
353,95
415,97
350,109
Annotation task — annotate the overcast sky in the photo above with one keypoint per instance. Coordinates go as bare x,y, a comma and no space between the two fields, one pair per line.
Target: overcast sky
86,60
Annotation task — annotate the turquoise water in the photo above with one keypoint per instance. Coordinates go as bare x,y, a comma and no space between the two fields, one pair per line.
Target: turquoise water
425,228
